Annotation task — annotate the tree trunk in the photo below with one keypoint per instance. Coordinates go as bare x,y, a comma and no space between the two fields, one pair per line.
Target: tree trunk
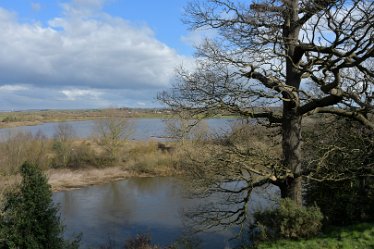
291,126
291,145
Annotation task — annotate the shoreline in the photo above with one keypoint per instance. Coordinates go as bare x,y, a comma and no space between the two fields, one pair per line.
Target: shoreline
68,179
31,118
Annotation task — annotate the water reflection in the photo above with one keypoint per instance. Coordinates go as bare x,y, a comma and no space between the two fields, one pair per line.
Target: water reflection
123,209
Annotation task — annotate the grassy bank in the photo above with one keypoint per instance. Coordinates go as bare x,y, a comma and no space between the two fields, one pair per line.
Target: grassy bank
76,163
359,236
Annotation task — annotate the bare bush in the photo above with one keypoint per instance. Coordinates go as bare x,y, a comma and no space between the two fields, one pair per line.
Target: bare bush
62,145
111,131
21,147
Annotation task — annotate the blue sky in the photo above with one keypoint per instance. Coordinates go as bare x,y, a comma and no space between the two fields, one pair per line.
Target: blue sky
67,54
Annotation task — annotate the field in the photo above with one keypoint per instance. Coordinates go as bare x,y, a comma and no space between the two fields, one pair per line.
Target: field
25,118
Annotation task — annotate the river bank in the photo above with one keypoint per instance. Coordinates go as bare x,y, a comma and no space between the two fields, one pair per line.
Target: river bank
68,179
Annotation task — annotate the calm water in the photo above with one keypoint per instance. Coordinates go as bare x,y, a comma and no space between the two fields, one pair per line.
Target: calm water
120,210
144,128
123,209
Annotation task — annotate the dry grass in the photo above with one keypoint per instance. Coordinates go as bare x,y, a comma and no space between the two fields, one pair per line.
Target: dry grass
7,183
67,179
146,157
63,179
87,163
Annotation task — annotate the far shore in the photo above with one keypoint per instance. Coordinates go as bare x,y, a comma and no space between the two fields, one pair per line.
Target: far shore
29,118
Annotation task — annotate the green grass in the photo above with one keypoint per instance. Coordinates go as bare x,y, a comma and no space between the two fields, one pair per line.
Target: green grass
359,236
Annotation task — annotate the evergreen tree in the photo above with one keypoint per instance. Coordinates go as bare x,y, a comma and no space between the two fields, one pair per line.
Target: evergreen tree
29,219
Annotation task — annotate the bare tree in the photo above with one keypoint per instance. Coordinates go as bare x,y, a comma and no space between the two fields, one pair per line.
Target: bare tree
302,56
62,144
111,130
183,127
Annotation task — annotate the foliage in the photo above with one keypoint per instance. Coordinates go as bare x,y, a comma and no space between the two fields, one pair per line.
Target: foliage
360,236
151,158
21,147
83,155
62,145
186,242
342,182
140,242
289,221
28,218
10,118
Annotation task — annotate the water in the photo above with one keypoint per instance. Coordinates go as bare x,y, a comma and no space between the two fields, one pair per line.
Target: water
123,209
144,128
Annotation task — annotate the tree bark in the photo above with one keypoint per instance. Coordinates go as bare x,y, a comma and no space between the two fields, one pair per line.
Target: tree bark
291,145
291,125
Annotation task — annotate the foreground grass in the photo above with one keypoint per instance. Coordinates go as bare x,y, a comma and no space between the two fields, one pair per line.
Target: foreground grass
359,236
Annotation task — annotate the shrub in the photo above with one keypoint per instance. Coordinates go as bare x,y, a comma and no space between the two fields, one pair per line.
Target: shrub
349,237
343,183
343,203
111,131
83,155
20,147
10,118
29,219
140,242
62,145
289,221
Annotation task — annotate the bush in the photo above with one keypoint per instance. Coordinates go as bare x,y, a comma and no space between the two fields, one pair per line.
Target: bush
28,218
344,202
342,184
288,221
358,236
140,242
21,147
10,118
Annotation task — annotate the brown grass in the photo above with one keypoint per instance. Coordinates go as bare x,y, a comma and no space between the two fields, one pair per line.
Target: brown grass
88,163
64,179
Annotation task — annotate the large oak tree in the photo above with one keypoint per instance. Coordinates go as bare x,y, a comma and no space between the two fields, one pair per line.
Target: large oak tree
305,57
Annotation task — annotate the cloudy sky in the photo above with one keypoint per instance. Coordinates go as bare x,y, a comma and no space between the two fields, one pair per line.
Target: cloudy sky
67,54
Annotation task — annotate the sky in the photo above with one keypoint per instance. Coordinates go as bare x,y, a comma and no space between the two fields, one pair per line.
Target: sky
79,54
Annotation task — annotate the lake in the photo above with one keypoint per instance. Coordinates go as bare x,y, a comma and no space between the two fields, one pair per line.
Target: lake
144,128
120,210
154,206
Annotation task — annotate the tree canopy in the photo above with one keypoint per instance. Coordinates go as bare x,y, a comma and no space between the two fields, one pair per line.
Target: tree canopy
280,61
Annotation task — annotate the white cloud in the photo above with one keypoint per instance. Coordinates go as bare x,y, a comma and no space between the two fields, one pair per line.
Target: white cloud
13,88
197,37
78,94
34,97
84,48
